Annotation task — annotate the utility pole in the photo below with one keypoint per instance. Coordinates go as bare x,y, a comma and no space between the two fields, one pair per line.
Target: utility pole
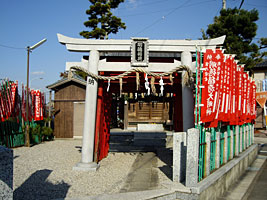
224,4
241,4
27,133
27,142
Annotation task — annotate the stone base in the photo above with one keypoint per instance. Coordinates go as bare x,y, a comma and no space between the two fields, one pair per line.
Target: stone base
92,166
150,127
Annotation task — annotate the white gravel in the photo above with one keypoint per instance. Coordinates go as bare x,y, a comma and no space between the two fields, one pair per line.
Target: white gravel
45,171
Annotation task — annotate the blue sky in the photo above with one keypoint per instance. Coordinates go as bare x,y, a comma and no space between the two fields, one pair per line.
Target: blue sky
25,22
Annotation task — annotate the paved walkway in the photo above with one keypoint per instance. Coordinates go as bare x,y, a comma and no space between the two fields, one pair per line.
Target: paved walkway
143,175
253,184
259,188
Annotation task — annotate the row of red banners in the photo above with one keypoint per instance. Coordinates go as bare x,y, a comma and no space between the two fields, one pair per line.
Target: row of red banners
36,104
11,104
228,94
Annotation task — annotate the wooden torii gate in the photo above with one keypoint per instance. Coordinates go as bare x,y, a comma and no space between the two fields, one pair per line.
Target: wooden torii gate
94,47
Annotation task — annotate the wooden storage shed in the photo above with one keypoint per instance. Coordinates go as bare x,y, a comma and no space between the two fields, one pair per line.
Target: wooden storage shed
66,92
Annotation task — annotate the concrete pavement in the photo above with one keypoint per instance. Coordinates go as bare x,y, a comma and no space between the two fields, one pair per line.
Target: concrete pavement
252,185
143,175
259,188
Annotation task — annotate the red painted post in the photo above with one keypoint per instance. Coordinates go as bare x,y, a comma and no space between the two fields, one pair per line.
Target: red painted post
98,119
178,104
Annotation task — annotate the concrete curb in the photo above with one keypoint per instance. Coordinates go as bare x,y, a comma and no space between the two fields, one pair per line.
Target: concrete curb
140,195
207,182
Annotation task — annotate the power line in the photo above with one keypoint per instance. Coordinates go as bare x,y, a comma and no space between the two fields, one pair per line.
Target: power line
256,5
152,3
146,4
158,20
169,13
158,11
145,13
11,47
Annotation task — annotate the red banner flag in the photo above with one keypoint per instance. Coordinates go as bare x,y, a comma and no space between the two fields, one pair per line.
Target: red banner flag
218,59
23,103
222,91
245,87
1,109
233,94
226,91
248,110
209,82
42,106
230,87
13,98
37,113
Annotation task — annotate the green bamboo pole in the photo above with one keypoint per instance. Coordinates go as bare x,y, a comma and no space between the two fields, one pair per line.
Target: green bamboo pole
242,137
239,143
200,154
200,82
228,142
204,152
201,158
196,99
222,145
212,151
234,139
250,135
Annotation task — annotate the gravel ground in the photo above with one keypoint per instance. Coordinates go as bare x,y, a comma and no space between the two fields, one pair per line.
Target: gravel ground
45,171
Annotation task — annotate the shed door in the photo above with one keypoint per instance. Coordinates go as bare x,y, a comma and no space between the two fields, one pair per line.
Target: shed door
63,119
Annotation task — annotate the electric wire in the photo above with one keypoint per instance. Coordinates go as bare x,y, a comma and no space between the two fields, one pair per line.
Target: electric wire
158,20
256,5
169,13
152,2
10,47
145,4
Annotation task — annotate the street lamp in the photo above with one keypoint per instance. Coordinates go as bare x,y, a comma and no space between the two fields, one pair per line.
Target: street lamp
29,49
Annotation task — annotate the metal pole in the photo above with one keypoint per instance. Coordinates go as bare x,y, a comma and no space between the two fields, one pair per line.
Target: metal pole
27,142
49,110
196,98
224,4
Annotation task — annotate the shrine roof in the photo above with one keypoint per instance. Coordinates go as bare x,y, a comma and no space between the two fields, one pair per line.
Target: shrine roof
73,78
263,64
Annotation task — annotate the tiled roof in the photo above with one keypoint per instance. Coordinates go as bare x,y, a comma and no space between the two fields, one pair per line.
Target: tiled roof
62,81
262,64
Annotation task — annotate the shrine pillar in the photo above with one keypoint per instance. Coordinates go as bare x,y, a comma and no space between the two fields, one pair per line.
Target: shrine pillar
187,95
87,163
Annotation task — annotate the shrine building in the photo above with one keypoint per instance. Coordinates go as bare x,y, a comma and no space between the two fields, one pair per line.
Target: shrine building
126,90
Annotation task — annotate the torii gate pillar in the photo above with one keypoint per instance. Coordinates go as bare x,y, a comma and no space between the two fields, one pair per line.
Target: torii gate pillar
87,163
187,95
